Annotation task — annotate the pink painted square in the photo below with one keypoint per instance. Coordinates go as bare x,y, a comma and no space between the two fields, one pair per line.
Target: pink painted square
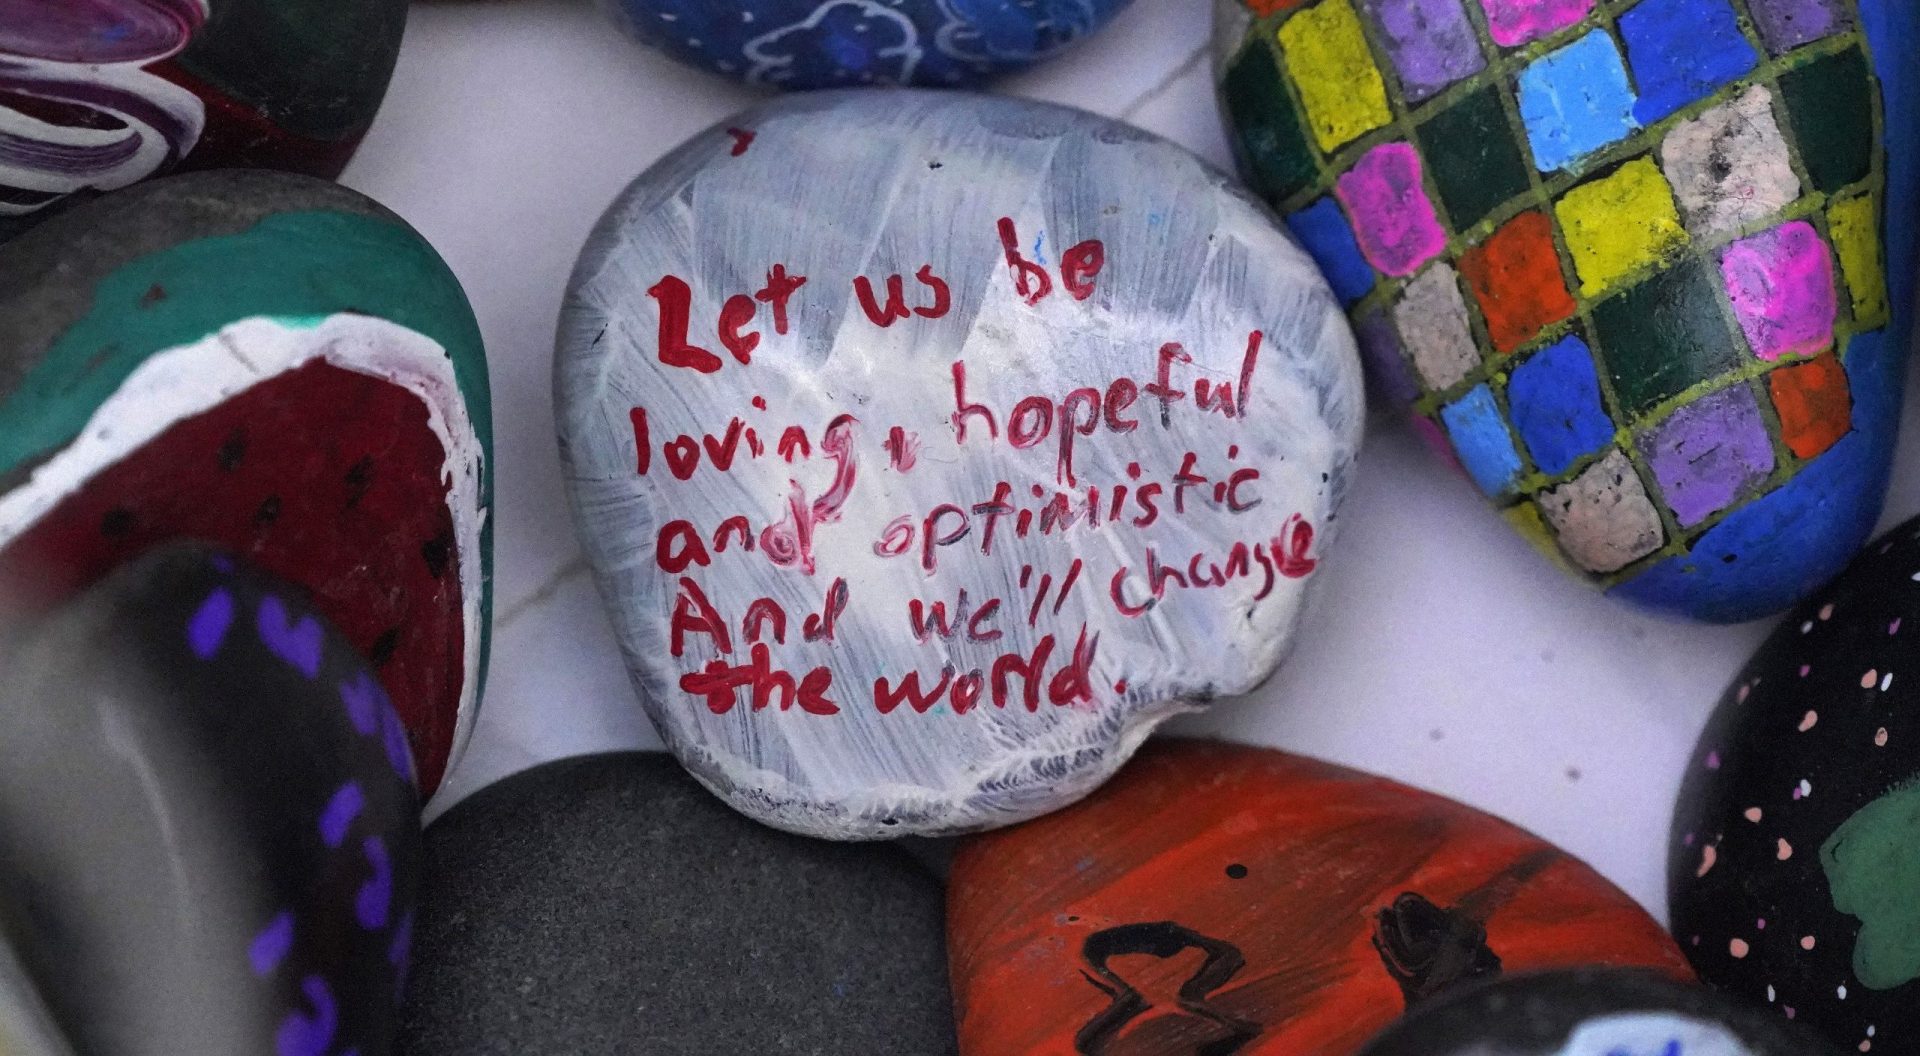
1781,284
1393,220
1515,22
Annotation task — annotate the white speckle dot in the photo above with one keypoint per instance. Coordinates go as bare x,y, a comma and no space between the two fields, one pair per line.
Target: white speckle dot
1804,789
1806,942
1770,994
1841,991
1886,681
1752,814
1880,737
1807,720
1867,680
1806,627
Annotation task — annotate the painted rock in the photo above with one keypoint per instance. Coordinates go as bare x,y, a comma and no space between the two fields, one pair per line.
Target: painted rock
1592,1013
1629,268
209,830
98,94
803,44
1792,880
1223,899
607,904
931,449
274,365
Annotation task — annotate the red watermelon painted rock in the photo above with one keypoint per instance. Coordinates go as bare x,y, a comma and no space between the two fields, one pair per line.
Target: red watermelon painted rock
1221,899
273,365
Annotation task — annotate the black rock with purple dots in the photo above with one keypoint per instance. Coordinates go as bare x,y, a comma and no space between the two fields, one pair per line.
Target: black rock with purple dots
1794,876
209,832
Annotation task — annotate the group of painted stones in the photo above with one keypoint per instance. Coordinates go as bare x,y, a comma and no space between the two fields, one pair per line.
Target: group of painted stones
918,519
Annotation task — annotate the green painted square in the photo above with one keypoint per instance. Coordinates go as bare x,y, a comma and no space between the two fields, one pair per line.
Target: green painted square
1273,145
1830,104
1473,158
1664,336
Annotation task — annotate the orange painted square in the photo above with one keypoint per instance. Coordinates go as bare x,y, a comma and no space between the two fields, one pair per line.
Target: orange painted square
1515,275
1815,404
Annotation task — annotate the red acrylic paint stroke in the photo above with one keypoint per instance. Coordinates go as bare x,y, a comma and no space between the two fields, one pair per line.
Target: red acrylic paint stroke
1233,900
321,476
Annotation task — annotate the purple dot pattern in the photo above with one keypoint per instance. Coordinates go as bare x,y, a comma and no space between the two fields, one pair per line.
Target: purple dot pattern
298,642
375,900
310,1033
341,810
270,947
351,829
208,628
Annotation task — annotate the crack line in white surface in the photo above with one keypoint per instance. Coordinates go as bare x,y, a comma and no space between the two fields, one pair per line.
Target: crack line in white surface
574,568
1166,83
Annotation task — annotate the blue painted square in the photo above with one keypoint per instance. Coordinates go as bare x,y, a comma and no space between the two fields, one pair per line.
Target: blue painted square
1324,230
1682,51
1481,439
1555,402
1576,101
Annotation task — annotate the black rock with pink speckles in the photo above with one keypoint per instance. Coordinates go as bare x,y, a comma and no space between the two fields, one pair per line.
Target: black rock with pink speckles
1794,876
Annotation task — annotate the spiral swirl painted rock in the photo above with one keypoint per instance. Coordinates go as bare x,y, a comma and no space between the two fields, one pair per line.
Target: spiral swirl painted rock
99,94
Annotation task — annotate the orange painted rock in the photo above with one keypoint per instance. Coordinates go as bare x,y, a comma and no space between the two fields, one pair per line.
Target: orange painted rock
1218,900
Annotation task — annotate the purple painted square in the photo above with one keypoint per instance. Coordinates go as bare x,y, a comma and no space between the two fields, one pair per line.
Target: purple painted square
1393,219
1512,23
1431,43
1787,24
1388,375
1781,285
1710,453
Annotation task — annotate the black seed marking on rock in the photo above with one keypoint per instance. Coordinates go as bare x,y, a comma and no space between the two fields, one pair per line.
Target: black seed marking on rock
233,451
437,551
383,647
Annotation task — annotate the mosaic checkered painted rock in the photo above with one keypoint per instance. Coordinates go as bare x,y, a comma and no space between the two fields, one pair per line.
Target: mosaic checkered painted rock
930,449
98,94
800,44
1792,876
268,363
209,832
1639,268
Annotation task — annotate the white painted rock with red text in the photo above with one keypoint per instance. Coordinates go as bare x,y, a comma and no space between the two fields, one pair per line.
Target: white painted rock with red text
932,449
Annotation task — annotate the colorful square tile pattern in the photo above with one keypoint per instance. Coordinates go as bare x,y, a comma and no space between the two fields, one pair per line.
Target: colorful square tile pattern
1613,252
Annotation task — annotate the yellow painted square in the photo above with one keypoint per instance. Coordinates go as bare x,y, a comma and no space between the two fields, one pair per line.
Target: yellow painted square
1855,226
1326,53
1525,518
1618,225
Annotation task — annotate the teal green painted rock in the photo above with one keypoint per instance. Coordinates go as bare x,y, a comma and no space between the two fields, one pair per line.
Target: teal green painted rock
274,365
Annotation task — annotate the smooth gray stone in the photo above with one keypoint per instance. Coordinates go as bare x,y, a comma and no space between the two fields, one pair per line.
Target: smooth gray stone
607,905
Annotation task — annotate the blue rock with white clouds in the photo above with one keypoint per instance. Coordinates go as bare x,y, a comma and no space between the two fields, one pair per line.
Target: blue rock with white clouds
804,44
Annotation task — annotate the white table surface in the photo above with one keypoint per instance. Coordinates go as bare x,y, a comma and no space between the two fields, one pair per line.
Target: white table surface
1443,652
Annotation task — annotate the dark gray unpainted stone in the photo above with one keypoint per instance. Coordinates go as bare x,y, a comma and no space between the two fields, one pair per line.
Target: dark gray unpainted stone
609,905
